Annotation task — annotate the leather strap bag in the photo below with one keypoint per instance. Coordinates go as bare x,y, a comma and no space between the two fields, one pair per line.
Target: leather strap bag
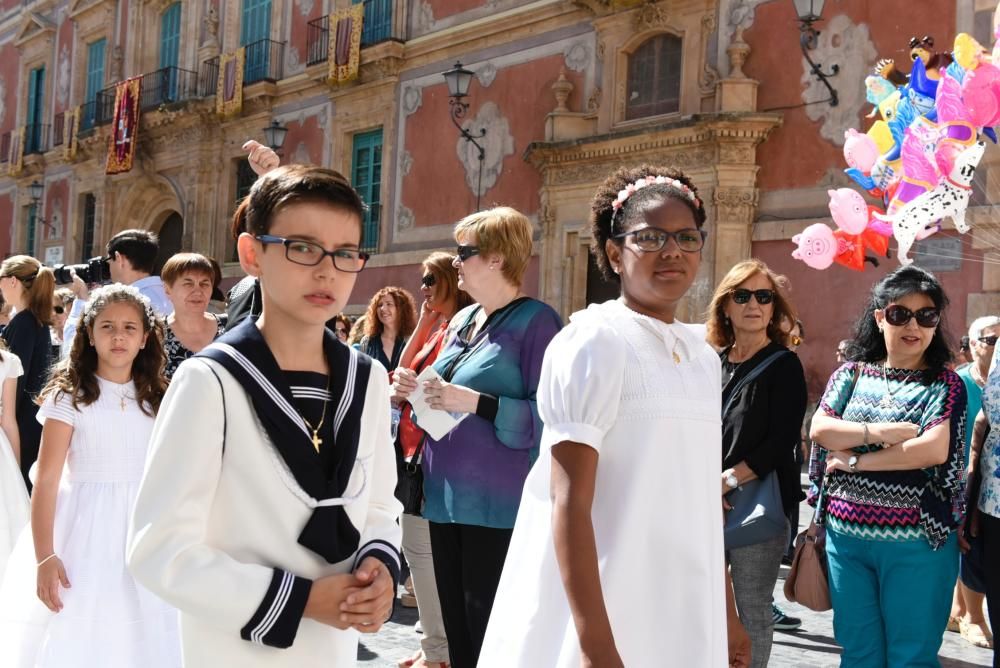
757,514
807,582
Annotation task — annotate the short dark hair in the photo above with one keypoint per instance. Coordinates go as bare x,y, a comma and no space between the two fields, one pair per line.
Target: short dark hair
294,184
606,221
139,246
868,344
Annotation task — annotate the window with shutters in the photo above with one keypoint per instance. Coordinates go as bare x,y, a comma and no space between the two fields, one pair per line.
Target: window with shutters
366,176
654,78
88,227
32,227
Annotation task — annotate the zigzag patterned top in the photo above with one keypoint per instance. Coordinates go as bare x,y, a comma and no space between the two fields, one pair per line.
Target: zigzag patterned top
895,505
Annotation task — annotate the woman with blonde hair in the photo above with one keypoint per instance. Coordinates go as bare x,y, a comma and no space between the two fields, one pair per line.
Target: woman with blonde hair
764,401
442,299
390,319
29,287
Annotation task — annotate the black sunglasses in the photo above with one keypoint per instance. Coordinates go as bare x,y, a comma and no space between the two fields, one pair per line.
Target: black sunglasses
742,296
428,281
899,316
60,310
988,340
465,252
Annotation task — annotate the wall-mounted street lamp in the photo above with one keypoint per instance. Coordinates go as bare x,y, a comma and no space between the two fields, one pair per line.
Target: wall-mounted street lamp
274,135
809,12
458,79
35,191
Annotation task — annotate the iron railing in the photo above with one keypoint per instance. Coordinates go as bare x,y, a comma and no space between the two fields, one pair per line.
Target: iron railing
377,28
99,111
58,126
166,86
208,77
264,61
36,138
317,40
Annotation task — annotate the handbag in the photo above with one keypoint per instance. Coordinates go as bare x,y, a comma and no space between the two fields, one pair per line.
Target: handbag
757,513
410,481
807,582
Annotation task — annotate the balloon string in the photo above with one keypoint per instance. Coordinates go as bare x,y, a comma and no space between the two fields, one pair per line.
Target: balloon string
959,256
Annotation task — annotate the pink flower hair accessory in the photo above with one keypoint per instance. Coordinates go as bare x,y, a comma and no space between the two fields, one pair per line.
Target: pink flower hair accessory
633,188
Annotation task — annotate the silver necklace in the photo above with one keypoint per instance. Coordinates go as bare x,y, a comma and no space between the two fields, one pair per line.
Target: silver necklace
888,399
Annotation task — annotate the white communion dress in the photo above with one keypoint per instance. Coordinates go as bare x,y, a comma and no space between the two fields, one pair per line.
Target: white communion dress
108,620
14,506
645,395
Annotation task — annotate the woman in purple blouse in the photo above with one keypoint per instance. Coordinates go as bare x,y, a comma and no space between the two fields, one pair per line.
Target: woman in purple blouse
473,477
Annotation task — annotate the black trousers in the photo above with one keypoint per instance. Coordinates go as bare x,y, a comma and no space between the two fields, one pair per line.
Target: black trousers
468,561
989,529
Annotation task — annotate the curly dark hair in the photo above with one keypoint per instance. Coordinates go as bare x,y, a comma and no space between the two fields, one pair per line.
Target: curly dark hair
604,223
76,375
868,344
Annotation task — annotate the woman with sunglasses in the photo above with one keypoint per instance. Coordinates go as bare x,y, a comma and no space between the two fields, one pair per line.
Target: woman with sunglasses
888,459
967,616
764,392
62,300
489,371
442,299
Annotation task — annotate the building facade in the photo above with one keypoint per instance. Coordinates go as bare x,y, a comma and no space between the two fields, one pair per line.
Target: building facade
566,90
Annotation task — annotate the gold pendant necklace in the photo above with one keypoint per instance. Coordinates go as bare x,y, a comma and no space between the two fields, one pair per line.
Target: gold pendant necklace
316,440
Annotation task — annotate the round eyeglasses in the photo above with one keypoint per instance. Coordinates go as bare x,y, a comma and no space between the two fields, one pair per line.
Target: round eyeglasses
653,239
310,254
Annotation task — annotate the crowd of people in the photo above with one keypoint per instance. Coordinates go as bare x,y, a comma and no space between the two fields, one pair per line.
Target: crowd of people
247,485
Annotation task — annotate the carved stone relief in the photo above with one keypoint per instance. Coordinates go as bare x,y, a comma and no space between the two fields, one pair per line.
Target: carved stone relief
413,97
425,16
305,7
63,77
594,101
577,56
292,61
735,204
404,217
405,163
497,144
850,46
486,74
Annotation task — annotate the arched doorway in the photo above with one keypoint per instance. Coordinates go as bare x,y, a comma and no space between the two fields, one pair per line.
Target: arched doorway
171,232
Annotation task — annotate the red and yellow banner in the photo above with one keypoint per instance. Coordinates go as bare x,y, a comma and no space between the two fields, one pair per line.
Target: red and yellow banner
70,130
16,162
344,57
124,126
229,89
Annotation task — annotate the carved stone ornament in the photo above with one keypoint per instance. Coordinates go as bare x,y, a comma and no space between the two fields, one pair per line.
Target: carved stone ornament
735,204
305,7
651,15
117,58
737,52
562,89
63,76
486,74
211,22
413,97
594,101
405,163
577,56
737,153
498,144
404,218
425,16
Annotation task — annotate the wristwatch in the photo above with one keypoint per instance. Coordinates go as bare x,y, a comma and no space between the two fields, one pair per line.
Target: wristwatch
732,482
852,463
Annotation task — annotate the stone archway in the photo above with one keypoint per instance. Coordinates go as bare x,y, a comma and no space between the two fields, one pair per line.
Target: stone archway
171,233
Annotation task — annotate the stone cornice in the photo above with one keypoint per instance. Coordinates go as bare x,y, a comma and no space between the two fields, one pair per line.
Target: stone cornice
34,26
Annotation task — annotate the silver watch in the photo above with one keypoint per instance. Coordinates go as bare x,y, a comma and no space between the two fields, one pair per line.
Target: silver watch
732,482
852,463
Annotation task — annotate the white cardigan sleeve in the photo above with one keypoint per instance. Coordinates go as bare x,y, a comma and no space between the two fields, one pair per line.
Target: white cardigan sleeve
167,552
382,533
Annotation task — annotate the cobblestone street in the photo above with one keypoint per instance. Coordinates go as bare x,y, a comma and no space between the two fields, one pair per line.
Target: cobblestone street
812,646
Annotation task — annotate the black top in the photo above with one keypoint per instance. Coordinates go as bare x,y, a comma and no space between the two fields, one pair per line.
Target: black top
175,350
30,340
373,348
764,424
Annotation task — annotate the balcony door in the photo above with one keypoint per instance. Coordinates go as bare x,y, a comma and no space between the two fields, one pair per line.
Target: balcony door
256,27
36,108
170,43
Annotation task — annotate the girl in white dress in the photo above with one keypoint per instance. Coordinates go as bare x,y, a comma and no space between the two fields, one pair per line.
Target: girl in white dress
617,553
67,599
13,494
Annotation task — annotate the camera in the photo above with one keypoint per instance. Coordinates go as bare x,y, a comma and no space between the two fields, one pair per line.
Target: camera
94,270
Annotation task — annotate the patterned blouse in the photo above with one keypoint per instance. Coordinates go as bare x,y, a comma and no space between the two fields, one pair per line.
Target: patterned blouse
989,463
175,350
916,504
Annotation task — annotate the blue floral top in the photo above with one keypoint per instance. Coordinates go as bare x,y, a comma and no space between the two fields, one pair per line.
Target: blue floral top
989,463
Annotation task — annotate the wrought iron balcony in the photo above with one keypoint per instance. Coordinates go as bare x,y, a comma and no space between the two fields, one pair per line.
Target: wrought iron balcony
208,77
317,40
167,86
377,28
36,138
264,61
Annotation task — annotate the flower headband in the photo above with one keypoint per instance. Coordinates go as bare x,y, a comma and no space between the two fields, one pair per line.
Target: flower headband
112,294
632,188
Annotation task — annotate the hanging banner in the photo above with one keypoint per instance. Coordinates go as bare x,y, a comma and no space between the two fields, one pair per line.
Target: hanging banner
70,130
124,126
344,57
229,89
16,151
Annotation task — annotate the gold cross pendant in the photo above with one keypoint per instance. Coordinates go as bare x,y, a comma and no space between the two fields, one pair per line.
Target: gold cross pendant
317,441
123,403
677,358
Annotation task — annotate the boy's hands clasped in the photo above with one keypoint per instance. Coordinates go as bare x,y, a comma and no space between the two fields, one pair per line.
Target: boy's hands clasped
361,600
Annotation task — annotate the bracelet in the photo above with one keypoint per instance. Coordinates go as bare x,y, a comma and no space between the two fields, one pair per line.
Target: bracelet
45,559
866,437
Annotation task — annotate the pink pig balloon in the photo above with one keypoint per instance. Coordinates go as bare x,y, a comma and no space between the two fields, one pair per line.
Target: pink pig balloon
981,95
849,210
860,151
817,246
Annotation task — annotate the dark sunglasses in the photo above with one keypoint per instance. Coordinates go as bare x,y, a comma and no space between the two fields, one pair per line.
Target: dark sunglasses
742,296
465,252
988,340
899,316
428,281
59,310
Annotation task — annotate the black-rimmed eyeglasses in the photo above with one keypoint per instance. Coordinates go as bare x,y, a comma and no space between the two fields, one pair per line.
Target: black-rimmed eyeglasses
310,254
652,239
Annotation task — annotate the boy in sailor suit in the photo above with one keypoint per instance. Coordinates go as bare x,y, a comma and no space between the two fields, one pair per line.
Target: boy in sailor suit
266,514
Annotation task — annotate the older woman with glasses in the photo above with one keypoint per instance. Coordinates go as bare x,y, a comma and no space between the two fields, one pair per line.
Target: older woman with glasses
888,459
473,476
764,399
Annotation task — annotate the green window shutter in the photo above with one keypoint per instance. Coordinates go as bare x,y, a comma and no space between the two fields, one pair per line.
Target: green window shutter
366,172
170,36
